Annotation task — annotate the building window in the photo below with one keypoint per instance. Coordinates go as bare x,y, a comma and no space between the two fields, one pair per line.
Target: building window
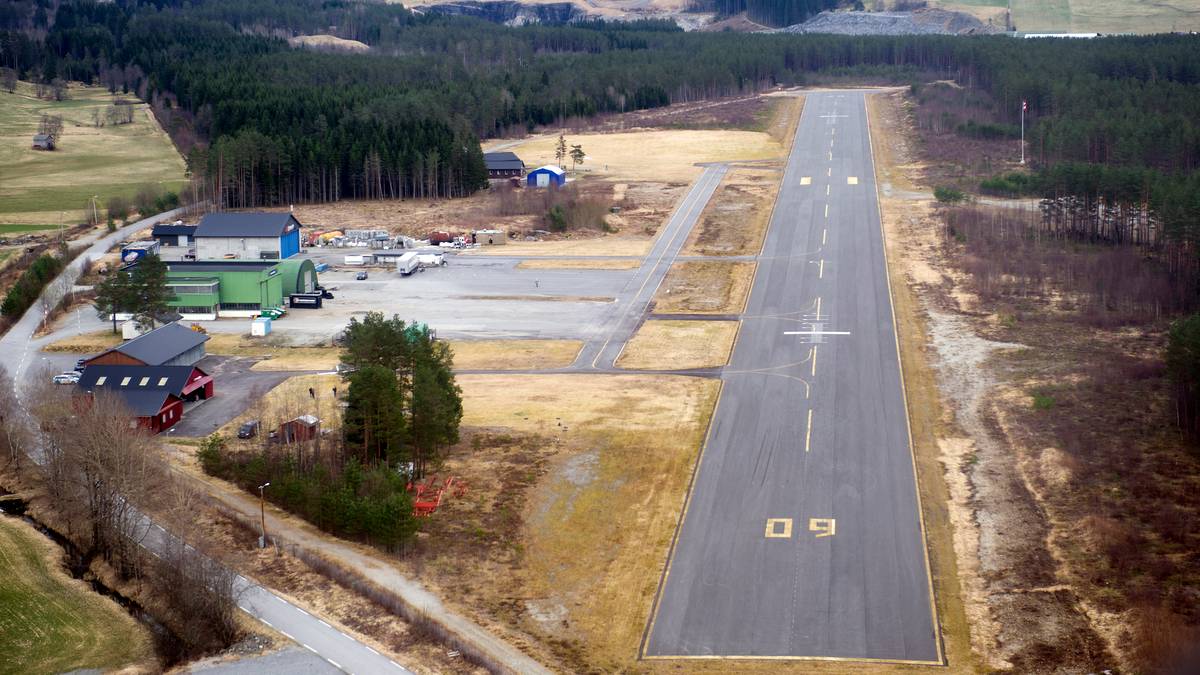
193,309
193,288
162,381
100,380
125,381
268,255
240,306
143,381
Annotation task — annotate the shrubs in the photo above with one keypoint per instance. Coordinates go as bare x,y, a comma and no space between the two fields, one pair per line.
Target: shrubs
1013,184
30,284
118,208
150,199
365,503
561,209
948,195
1183,368
987,131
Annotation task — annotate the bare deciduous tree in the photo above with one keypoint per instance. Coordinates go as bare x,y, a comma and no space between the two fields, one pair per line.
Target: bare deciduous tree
8,77
102,466
201,594
13,431
50,125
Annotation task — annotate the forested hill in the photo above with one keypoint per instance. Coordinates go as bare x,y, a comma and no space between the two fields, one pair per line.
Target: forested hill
280,125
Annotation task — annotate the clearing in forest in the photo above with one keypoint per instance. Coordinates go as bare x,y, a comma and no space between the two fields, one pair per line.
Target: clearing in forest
43,187
660,155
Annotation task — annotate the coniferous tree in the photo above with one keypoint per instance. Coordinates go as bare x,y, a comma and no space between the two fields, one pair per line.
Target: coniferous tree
149,291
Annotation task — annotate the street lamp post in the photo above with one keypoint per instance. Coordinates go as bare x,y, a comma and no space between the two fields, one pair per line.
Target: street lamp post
262,510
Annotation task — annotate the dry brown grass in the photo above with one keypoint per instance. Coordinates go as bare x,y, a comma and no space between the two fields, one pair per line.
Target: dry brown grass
597,524
925,409
735,221
85,343
329,42
514,354
300,358
580,264
637,246
679,345
659,155
289,400
289,576
705,287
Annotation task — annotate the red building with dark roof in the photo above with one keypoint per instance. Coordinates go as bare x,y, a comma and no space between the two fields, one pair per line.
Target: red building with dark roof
154,394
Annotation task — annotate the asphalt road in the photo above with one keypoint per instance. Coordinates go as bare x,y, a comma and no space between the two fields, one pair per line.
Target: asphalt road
802,536
17,357
633,302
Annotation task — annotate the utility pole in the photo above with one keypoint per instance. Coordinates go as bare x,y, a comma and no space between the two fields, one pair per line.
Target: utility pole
262,510
1024,107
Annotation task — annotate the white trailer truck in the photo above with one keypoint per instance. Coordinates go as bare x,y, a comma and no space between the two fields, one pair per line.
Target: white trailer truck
408,263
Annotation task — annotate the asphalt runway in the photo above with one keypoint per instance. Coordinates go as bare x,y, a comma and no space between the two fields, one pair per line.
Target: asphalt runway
802,536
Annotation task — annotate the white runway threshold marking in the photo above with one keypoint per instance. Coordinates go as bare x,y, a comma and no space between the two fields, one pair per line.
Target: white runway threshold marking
816,332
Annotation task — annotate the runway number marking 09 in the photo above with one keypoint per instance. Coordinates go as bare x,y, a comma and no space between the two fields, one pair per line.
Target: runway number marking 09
781,528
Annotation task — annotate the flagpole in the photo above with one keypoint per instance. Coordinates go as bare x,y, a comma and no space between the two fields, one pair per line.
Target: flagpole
1022,132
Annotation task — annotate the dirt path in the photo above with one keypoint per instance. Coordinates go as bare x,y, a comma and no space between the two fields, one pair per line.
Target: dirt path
291,530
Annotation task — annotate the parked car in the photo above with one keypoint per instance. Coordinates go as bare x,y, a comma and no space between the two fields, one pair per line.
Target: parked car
248,430
69,377
360,276
79,365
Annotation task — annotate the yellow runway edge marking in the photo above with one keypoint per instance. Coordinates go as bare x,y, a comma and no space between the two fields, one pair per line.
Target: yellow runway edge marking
814,361
808,434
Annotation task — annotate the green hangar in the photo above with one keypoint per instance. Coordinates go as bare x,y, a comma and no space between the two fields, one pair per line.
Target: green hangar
211,289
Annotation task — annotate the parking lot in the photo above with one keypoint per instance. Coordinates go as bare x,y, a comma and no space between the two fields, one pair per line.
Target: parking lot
470,297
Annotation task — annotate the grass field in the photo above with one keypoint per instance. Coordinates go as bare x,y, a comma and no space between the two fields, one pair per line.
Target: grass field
580,264
679,345
669,155
1088,16
705,287
39,187
601,514
21,228
50,623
